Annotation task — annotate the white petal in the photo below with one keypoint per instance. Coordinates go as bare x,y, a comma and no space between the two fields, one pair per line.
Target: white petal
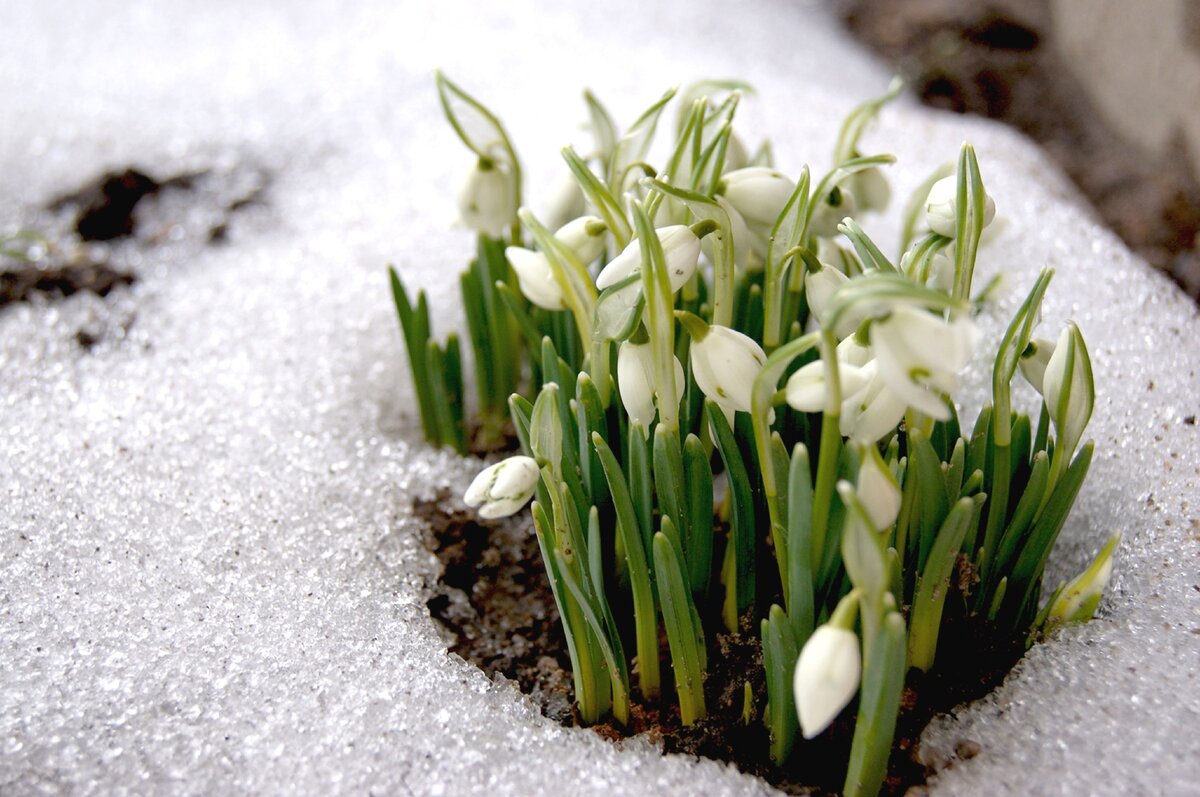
485,200
575,235
725,364
535,277
635,381
826,677
878,491
806,388
759,193
621,266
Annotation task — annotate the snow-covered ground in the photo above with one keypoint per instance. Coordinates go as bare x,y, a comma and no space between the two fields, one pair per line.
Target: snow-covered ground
210,577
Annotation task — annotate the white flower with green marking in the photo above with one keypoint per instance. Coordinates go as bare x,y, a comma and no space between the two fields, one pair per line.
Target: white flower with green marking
919,356
941,207
504,488
826,677
486,200
635,381
725,363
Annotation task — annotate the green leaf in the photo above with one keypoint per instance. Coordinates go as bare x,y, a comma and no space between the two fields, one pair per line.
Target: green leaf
742,528
930,599
678,614
878,708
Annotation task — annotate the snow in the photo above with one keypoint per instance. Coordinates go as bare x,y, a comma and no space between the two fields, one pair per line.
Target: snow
211,580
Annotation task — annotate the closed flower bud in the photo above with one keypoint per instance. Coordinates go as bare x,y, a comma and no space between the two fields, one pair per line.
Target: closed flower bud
878,490
725,363
1068,388
502,489
1077,601
758,193
942,203
826,677
819,287
1034,360
681,250
535,277
635,381
486,201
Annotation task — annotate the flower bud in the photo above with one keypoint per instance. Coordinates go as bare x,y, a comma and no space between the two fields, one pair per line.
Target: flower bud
758,193
502,489
819,287
878,490
826,677
1077,601
725,363
1034,360
535,277
565,204
635,381
486,200
681,251
1068,388
585,236
942,203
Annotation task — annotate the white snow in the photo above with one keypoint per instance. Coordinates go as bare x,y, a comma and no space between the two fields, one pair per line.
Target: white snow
210,577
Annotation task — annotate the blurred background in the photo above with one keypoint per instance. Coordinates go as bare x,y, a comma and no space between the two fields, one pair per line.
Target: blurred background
1109,88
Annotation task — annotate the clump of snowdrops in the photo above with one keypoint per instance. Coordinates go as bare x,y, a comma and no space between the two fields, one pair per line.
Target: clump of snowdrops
732,404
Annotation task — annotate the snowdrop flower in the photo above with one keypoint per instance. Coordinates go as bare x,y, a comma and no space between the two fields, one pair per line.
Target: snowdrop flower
941,207
565,204
819,287
584,236
805,389
870,189
873,412
635,381
1069,393
745,243
826,677
502,489
681,250
758,193
725,363
486,201
1034,360
919,356
878,490
828,214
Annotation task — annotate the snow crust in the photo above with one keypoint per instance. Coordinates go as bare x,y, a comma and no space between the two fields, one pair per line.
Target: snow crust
211,580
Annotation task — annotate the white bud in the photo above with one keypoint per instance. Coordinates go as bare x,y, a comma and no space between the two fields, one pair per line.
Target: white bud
1068,388
758,193
535,277
1034,360
585,236
681,251
486,201
919,356
1077,601
635,381
870,188
826,677
878,490
942,203
819,287
725,363
567,203
502,489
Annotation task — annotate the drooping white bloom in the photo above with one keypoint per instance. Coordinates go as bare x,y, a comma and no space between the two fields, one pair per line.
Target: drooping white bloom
681,251
566,203
919,356
829,212
942,203
819,287
584,237
725,363
758,193
502,489
805,389
878,490
486,200
870,189
826,678
635,381
1034,360
873,412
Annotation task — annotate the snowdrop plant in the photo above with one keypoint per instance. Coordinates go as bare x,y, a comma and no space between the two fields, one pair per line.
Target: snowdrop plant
737,415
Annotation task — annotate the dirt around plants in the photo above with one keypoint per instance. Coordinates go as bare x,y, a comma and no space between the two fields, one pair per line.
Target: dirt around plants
997,59
494,600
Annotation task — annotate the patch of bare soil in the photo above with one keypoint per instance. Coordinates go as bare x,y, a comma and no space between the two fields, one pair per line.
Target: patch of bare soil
495,602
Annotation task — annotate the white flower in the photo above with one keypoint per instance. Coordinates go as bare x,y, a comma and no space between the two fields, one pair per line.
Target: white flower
826,677
744,243
819,287
919,356
1034,360
681,250
502,489
535,277
486,200
878,490
725,363
870,189
585,236
566,203
758,193
635,381
1069,396
941,207
873,412
829,212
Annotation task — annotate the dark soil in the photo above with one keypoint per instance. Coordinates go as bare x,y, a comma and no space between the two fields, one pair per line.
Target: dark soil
110,207
997,59
495,601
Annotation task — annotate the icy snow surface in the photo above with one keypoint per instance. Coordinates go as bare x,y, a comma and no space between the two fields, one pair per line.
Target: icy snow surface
211,579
